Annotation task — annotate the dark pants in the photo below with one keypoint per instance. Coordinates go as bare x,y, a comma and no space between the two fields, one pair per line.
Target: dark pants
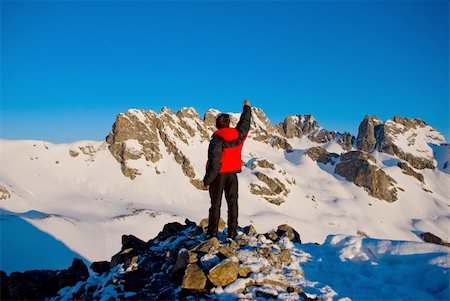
227,182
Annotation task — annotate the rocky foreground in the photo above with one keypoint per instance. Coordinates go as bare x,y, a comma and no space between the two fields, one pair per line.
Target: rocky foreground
181,264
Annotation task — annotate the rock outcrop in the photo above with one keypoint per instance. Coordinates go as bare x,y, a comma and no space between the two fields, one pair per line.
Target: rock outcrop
281,143
346,141
139,134
367,133
179,263
409,139
4,193
271,182
361,168
406,138
431,238
320,155
407,170
298,126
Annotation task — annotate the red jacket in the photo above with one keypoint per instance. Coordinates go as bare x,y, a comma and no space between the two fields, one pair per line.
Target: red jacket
224,152
231,155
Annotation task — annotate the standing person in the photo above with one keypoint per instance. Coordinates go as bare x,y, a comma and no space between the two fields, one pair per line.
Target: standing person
224,162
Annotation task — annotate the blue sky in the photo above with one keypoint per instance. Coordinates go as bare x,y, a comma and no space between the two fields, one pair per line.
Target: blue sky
69,67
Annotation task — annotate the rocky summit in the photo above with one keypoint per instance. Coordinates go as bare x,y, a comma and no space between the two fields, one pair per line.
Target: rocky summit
181,263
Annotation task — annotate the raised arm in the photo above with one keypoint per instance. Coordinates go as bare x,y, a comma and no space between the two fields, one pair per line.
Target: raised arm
243,125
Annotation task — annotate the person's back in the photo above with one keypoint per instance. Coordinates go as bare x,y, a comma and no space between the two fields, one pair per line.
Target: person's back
224,162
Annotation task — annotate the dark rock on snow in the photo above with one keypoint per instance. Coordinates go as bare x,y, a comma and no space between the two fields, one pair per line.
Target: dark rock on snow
361,168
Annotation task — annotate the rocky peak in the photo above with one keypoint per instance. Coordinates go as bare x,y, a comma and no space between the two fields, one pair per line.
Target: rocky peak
410,139
261,127
346,140
367,133
210,118
140,134
190,113
298,125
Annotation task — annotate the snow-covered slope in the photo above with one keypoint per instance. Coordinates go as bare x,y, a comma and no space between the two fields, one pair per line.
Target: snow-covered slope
83,196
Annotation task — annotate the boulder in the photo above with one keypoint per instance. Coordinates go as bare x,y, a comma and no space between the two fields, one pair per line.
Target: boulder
101,267
360,168
288,232
194,278
224,273
131,241
207,246
122,257
169,230
250,230
182,261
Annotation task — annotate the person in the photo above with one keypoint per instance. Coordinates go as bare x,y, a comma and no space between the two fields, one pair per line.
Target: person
224,162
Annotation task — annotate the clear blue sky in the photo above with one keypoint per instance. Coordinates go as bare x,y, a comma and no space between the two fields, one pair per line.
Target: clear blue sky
69,67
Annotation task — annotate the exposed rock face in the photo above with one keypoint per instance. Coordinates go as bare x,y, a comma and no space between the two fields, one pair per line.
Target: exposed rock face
322,136
360,168
272,182
4,193
367,133
346,140
73,153
261,127
409,139
298,125
174,267
140,134
411,172
431,238
263,164
281,143
320,155
39,285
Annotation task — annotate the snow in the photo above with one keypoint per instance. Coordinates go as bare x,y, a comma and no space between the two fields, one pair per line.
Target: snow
359,267
138,113
416,141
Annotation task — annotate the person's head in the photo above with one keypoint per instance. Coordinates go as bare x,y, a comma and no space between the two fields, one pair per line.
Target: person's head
223,121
